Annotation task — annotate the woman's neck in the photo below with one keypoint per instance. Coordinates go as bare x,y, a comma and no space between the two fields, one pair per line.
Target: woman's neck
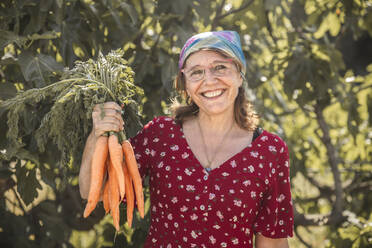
215,124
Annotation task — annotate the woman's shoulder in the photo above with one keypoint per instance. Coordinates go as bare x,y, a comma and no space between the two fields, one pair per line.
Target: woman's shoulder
154,127
163,119
159,122
271,139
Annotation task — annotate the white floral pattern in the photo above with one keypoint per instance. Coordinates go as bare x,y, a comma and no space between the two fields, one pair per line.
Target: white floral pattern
224,207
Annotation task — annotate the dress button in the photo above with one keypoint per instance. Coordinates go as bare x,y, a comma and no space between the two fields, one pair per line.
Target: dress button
205,177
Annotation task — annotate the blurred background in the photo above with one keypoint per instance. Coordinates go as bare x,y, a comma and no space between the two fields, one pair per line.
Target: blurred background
310,79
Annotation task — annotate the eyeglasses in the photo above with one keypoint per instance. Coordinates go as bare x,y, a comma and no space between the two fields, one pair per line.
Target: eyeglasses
217,69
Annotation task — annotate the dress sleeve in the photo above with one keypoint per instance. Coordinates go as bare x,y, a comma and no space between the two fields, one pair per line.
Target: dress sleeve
275,217
141,143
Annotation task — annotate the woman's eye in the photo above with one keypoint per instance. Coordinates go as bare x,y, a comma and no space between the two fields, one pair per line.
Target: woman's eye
196,73
220,67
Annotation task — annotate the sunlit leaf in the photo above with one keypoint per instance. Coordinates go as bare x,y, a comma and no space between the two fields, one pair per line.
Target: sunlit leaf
334,24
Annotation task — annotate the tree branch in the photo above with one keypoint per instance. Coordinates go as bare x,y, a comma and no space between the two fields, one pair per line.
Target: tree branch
242,7
316,219
20,202
301,239
143,11
218,13
324,190
333,158
365,186
269,26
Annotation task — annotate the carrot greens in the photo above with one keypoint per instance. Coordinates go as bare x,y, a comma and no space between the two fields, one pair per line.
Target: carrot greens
57,119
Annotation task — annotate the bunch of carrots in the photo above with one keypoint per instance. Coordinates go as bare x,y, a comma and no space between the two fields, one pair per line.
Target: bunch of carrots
123,181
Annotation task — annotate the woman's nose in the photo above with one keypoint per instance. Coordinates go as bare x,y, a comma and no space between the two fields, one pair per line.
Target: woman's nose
209,77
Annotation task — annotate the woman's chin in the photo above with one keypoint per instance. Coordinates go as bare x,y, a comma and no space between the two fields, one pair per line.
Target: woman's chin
214,110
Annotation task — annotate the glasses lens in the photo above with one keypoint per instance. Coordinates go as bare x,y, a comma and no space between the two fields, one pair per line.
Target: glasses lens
220,70
196,75
217,70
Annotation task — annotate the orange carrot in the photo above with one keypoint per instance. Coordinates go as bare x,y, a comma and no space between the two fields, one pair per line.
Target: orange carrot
116,156
114,195
129,194
105,198
97,174
131,162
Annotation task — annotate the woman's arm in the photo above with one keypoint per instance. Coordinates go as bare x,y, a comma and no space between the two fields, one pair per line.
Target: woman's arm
264,242
85,172
111,121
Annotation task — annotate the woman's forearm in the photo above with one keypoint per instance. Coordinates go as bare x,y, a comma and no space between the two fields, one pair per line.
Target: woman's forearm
264,242
85,169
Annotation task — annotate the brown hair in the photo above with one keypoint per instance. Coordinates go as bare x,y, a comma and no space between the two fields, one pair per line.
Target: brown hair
244,113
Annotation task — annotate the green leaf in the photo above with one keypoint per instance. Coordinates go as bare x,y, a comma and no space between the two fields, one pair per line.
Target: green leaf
297,14
37,68
38,16
169,69
367,22
7,90
44,36
271,4
296,73
334,24
27,183
132,12
180,7
162,6
203,8
8,59
8,37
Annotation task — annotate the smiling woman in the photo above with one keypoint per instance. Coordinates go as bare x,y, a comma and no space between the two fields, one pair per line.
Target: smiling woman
213,90
225,47
216,179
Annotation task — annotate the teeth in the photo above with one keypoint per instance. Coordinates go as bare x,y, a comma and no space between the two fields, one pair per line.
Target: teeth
212,93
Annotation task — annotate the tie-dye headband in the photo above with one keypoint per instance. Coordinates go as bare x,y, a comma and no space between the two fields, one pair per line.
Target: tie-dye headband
226,41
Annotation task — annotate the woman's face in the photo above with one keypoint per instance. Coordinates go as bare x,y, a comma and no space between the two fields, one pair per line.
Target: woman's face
212,81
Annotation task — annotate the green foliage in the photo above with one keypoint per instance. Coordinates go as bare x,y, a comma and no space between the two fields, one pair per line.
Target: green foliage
309,71
60,115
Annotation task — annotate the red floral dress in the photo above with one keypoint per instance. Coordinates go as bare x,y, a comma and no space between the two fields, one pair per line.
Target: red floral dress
224,207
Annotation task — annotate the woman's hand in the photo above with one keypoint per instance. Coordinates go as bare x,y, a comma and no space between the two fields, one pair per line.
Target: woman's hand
109,120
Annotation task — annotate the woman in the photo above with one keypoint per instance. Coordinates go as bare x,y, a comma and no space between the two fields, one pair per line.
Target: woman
216,180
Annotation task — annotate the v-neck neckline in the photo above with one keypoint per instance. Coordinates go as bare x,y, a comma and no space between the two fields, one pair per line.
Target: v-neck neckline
208,170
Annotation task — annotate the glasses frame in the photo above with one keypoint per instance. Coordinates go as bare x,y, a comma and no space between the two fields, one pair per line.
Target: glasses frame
210,68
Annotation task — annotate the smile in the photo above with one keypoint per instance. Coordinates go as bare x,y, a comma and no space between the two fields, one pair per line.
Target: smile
212,94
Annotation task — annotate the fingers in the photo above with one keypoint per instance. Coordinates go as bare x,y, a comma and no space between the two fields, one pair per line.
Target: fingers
108,105
107,117
102,128
107,114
